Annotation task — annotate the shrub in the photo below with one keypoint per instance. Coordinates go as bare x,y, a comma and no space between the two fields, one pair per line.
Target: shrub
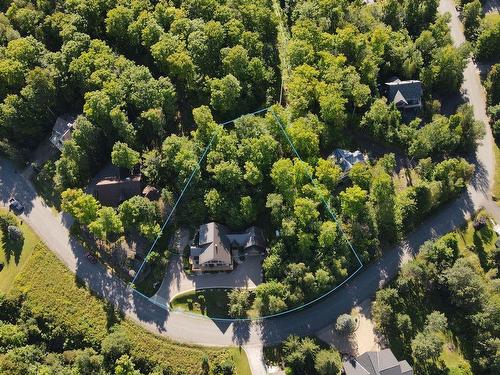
7,219
224,368
328,362
346,325
115,345
15,234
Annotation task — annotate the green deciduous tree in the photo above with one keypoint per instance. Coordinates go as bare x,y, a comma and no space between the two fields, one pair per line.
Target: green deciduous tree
471,17
107,223
382,120
123,156
328,173
328,234
426,347
382,196
305,212
353,202
225,93
489,38
239,302
83,207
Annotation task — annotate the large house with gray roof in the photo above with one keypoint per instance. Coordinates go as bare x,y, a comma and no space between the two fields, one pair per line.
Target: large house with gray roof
377,363
216,245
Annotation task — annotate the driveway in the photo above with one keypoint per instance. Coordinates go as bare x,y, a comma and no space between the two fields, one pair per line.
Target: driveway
248,274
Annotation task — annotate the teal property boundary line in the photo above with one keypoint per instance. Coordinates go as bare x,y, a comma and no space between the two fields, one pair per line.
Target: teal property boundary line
167,220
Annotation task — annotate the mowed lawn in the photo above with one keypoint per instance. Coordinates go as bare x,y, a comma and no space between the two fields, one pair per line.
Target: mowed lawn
14,260
479,244
51,290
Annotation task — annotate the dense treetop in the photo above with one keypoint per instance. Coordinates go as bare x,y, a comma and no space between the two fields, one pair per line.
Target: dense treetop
151,80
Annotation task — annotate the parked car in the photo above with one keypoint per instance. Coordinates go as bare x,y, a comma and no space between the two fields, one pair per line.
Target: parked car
15,205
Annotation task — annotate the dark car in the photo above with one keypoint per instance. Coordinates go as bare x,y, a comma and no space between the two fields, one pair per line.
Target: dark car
15,205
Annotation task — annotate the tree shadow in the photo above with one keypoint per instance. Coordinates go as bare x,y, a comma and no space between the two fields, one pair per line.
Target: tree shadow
113,316
479,238
241,332
12,248
480,179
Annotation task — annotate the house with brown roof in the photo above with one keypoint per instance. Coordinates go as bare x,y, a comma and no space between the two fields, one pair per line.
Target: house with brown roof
213,251
112,191
377,363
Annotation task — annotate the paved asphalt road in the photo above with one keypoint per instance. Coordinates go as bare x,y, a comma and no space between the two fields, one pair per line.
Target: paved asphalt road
185,328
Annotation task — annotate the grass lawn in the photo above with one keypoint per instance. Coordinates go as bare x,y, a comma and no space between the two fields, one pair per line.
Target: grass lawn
453,360
52,292
479,244
14,260
215,305
496,186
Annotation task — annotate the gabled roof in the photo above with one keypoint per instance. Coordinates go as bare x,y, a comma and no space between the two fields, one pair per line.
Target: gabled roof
253,236
377,363
404,91
63,123
62,129
346,159
215,242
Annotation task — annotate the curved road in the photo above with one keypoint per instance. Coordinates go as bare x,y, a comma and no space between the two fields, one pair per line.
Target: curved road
186,328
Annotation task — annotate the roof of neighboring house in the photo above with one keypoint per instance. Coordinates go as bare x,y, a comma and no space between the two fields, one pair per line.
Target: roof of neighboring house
112,191
346,159
404,91
215,242
62,130
377,363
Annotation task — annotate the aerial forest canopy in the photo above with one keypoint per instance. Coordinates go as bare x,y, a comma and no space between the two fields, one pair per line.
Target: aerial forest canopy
151,81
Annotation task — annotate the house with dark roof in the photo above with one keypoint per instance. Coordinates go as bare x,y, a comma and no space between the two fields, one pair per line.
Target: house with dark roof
61,132
213,251
112,191
377,363
346,159
405,95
